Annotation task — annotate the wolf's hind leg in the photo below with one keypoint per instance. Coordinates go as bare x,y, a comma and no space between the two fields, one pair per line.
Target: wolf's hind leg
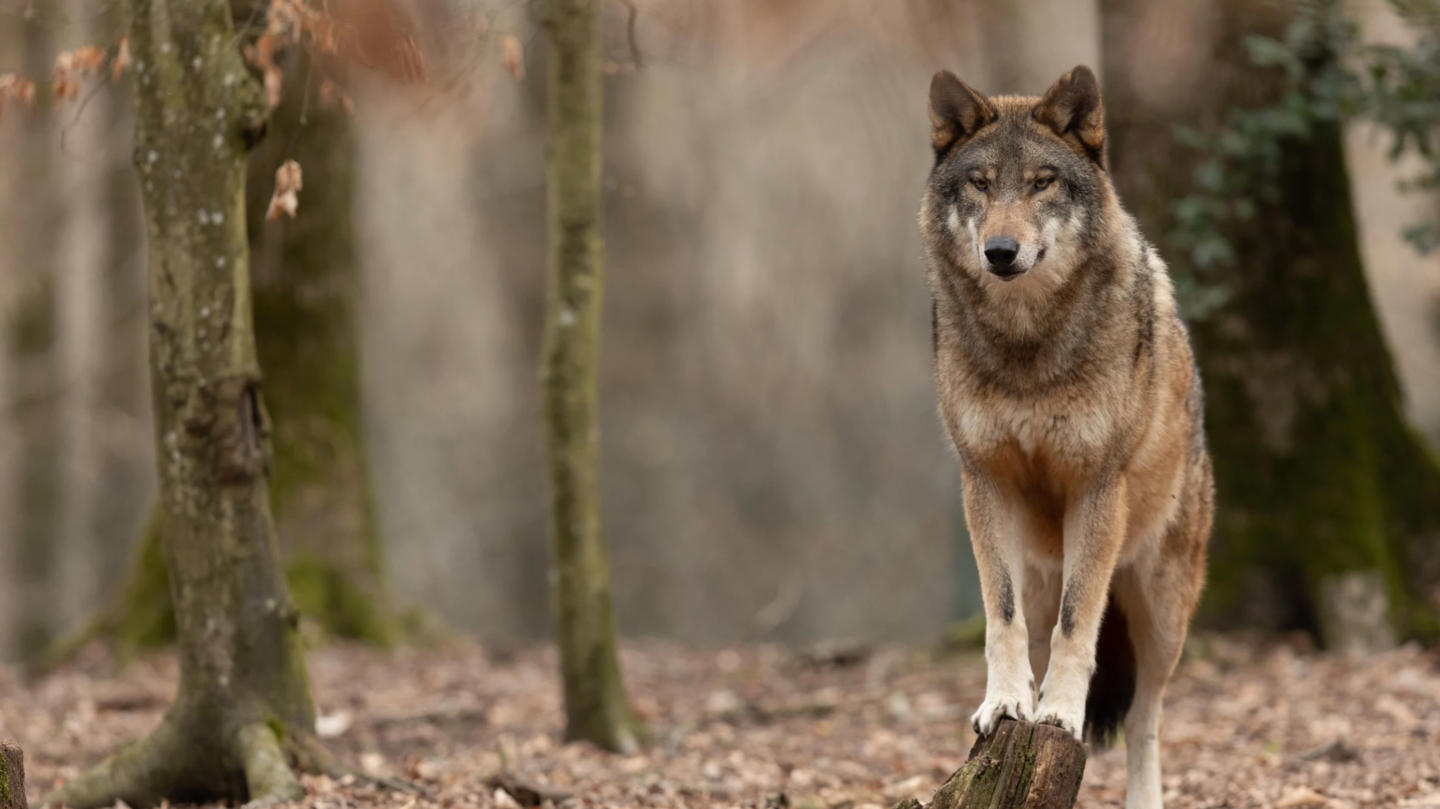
1042,608
993,526
1157,599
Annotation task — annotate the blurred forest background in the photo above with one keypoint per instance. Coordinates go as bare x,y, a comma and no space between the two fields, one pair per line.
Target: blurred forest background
773,465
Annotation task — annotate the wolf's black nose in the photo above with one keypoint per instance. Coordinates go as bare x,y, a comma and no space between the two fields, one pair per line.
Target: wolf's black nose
1000,251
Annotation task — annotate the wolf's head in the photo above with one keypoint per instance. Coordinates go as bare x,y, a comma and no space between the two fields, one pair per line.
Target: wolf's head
1020,191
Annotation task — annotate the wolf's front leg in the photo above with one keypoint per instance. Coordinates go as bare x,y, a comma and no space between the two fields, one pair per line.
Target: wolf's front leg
1094,532
1009,686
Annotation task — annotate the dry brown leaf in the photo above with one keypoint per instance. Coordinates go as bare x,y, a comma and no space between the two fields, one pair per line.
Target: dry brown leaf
333,97
274,82
71,69
286,198
17,88
513,56
121,62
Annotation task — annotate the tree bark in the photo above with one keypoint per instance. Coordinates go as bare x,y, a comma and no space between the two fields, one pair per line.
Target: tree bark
243,713
306,291
308,332
12,777
596,709
1318,474
1021,766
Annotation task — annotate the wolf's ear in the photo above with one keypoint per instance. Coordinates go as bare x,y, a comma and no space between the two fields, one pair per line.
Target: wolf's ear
1072,109
956,111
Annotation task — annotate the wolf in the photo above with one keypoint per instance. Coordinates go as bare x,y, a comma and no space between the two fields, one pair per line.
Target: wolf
1068,387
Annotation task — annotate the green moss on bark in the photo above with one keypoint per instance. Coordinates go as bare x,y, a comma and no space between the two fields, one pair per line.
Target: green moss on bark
307,290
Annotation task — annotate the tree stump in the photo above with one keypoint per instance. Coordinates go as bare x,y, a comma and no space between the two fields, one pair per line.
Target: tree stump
1021,766
12,776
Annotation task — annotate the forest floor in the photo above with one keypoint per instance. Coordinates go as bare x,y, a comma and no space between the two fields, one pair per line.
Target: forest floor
1247,725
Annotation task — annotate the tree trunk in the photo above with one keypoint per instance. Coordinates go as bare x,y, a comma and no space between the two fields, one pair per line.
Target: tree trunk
243,712
81,266
306,291
596,709
32,327
1318,475
1021,766
12,777
307,329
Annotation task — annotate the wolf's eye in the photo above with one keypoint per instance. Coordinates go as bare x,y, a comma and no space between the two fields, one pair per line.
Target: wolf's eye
980,184
1042,183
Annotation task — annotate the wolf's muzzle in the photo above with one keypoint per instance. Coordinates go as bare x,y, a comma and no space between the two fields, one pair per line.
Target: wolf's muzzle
1000,253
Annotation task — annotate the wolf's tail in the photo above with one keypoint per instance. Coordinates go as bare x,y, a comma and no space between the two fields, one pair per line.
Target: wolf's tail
1112,686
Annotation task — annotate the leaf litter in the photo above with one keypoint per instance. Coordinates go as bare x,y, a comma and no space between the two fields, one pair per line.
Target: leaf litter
1262,725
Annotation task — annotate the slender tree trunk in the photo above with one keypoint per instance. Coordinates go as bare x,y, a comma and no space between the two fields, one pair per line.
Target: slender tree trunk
243,712
1322,485
596,709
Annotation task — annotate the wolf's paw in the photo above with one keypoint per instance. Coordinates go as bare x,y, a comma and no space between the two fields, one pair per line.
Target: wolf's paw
1072,722
993,709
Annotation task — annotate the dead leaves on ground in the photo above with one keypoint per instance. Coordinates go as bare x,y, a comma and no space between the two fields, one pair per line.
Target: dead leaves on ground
1248,725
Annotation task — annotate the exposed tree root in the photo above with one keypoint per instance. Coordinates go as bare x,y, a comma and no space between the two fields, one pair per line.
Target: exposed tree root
141,774
268,775
257,765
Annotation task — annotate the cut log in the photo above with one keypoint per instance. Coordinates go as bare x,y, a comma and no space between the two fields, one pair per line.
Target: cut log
1021,766
12,776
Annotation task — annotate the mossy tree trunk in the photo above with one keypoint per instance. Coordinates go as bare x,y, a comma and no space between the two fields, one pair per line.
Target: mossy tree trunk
596,709
307,288
1319,477
306,292
243,712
